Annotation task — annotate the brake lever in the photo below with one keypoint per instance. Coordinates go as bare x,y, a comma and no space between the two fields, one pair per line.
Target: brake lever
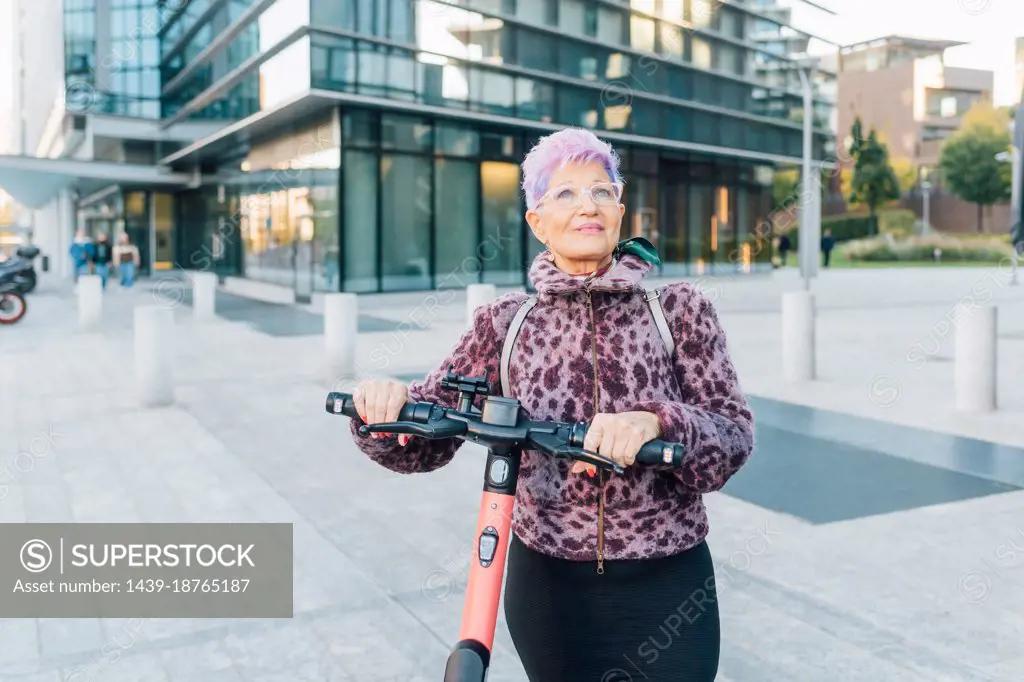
556,448
440,429
595,459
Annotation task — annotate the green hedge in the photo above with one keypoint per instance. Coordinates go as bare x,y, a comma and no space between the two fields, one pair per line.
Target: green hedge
923,248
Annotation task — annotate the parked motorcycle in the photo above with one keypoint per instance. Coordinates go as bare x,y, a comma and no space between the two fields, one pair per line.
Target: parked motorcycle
19,271
12,304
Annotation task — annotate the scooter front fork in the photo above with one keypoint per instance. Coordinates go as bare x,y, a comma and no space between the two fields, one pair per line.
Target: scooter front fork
471,656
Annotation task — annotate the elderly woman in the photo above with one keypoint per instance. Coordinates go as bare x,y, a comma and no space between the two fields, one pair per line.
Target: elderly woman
609,576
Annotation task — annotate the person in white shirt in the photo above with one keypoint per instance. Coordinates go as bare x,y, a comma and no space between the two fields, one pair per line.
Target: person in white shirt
126,257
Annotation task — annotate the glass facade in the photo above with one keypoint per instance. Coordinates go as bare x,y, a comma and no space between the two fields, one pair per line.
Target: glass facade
112,56
413,203
423,111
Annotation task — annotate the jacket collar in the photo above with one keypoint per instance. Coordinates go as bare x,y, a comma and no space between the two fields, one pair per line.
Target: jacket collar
623,274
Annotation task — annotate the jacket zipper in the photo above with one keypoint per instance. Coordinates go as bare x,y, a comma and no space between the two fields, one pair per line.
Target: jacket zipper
600,472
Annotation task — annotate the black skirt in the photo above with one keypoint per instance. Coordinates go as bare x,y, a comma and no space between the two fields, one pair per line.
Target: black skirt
650,620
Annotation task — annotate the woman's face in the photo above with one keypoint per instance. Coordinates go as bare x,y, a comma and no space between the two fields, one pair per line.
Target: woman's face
580,214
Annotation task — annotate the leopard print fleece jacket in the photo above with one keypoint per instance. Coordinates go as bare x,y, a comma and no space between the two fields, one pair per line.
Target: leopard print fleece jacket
651,510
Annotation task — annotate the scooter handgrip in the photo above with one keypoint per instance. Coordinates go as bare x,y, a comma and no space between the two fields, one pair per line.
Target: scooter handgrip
661,452
342,403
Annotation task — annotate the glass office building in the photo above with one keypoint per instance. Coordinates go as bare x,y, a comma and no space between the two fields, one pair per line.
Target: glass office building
374,145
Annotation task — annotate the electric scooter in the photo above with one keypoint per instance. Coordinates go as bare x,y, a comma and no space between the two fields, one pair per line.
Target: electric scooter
503,427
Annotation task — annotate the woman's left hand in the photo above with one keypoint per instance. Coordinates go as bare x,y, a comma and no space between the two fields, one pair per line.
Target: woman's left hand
619,436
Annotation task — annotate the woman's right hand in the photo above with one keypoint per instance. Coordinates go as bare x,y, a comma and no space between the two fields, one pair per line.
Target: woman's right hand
380,400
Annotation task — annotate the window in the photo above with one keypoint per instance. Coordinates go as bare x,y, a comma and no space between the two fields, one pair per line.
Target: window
572,17
537,50
360,227
581,61
646,118
538,11
491,92
732,132
359,129
701,52
578,107
671,42
730,22
501,252
641,34
705,128
406,210
334,15
332,63
727,58
456,203
680,83
456,141
405,134
609,26
371,17
678,122
442,84
701,13
535,100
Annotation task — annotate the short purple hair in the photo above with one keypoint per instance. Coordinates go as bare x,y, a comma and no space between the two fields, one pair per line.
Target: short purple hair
571,145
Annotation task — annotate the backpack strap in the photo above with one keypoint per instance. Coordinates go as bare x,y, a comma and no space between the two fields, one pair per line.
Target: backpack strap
653,298
510,340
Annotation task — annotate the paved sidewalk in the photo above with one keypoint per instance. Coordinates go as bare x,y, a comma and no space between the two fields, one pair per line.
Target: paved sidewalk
847,549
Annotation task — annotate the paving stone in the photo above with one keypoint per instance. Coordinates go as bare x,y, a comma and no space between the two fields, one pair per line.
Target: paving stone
20,641
860,598
62,636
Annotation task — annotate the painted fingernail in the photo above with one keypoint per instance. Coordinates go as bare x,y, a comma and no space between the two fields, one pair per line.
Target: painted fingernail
590,472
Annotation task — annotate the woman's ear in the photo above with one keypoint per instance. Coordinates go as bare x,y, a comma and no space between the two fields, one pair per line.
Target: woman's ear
533,220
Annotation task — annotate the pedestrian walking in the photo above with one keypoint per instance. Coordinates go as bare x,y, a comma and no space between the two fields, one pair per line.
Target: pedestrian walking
81,253
828,242
126,256
102,255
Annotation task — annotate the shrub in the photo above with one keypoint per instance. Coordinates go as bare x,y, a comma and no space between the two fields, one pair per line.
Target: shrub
898,222
920,248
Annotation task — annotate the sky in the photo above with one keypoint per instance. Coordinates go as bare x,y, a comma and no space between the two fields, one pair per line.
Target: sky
989,26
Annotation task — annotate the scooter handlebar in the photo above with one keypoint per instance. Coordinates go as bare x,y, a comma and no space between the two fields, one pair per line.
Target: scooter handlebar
652,452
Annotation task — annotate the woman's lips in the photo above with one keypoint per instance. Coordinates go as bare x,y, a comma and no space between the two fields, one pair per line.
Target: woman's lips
590,228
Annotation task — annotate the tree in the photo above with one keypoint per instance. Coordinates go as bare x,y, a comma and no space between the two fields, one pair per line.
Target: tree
874,182
968,158
906,173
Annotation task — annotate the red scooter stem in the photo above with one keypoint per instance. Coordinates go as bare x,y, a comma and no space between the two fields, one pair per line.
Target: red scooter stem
471,656
483,593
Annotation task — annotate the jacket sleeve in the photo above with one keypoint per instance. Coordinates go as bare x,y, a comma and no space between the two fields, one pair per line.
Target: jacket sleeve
714,421
476,354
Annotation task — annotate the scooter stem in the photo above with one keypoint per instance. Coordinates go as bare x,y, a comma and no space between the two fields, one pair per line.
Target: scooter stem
471,656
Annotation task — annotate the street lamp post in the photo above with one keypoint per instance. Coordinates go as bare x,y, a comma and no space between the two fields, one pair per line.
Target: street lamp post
810,205
1013,156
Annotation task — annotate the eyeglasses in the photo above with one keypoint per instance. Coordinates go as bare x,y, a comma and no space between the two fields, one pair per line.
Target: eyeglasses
569,196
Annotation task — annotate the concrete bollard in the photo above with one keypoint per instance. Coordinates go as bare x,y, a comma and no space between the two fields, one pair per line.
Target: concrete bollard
798,361
204,294
90,301
476,296
341,333
975,358
154,382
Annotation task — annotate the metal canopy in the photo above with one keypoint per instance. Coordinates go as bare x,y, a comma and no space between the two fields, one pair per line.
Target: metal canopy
34,182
